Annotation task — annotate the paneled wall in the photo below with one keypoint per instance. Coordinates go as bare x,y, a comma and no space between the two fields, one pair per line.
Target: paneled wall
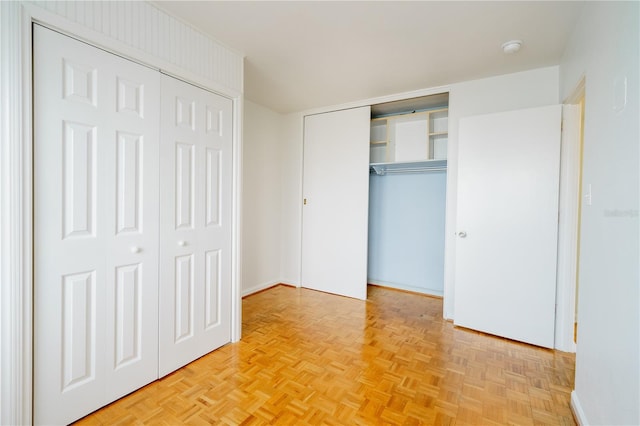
149,30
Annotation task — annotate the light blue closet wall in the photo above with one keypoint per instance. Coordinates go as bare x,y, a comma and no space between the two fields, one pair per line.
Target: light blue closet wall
406,231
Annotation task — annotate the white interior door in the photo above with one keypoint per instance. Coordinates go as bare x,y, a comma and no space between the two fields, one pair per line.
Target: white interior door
336,193
195,223
508,177
96,121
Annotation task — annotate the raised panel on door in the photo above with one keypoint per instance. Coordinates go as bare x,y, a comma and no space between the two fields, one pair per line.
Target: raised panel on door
78,329
507,219
195,223
129,167
213,191
336,192
213,288
79,179
184,295
96,122
184,185
128,309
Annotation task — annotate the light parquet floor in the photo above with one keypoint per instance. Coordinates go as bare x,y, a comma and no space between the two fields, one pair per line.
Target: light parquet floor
308,357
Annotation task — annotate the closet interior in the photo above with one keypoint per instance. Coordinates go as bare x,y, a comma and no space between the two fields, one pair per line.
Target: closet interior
407,194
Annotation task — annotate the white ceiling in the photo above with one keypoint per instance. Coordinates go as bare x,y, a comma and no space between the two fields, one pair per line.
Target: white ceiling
302,55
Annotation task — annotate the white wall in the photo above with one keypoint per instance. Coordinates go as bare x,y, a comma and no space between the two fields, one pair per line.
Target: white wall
291,203
604,48
261,197
527,89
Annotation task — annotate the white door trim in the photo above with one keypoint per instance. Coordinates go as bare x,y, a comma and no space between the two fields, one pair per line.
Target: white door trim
15,216
16,210
568,229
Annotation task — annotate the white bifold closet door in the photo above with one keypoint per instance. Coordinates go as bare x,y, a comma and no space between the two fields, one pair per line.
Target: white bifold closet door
96,122
105,322
506,251
195,223
336,205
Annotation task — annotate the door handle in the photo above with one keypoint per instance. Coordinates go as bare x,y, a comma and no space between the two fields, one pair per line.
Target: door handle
135,249
462,234
182,243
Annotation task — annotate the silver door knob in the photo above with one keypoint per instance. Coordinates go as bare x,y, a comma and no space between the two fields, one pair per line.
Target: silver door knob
462,234
135,249
182,243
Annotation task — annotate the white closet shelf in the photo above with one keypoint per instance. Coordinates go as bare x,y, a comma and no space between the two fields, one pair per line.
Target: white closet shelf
408,167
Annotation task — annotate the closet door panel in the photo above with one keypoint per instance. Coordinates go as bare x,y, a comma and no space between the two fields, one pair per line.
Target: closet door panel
132,222
336,192
195,253
95,227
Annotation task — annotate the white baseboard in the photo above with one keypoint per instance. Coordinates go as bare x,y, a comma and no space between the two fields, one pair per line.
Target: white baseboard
289,284
577,410
422,290
259,287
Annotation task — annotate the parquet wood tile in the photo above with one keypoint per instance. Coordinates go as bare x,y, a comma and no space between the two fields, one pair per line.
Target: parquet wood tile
308,357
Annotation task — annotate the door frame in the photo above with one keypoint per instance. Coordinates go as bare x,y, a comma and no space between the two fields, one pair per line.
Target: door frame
569,222
16,182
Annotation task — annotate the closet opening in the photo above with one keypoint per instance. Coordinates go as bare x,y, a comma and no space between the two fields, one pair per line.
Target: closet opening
407,194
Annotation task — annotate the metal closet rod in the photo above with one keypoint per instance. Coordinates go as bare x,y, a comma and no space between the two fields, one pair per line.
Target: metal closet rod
414,170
